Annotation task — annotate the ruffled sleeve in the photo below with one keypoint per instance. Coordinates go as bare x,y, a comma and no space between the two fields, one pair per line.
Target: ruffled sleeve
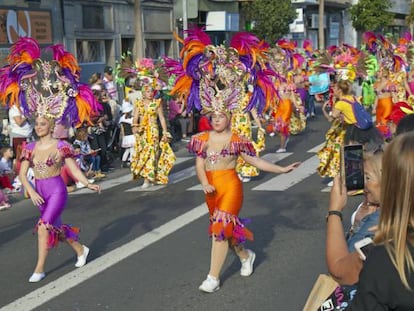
65,149
240,144
198,143
27,152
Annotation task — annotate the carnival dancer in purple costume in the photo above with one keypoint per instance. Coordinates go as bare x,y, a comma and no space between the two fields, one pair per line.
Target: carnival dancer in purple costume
50,92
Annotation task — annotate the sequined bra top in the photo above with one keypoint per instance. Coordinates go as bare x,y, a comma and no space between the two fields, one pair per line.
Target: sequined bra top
220,158
47,163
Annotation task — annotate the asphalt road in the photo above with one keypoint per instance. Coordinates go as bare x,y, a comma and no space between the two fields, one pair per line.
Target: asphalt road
150,249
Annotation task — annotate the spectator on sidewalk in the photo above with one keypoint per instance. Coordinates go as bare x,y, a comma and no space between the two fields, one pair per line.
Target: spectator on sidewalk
20,128
127,137
4,201
7,173
179,120
95,82
91,156
109,84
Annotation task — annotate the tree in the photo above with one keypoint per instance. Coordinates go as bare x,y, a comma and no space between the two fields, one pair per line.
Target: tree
271,18
410,17
321,30
371,15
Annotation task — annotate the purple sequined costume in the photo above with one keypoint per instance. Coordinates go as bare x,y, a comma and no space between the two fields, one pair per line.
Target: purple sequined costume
53,191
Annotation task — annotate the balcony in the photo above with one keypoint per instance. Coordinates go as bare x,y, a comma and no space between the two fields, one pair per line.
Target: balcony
335,3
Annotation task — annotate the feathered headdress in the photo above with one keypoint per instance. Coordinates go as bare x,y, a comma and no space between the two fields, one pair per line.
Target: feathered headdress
255,56
145,70
210,78
46,88
346,61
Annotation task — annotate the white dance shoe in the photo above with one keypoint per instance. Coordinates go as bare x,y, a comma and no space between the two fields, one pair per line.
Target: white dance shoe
82,258
36,277
247,264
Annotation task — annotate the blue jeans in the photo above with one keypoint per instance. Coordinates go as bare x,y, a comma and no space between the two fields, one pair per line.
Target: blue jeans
95,160
310,103
363,230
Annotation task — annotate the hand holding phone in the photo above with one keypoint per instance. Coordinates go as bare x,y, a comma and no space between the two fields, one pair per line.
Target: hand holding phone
363,247
353,167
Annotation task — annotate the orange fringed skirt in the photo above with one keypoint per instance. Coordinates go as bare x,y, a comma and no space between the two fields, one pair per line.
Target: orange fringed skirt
224,206
282,116
384,108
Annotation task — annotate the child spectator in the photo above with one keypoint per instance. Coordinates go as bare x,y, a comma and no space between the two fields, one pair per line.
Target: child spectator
4,201
7,173
90,156
80,160
128,138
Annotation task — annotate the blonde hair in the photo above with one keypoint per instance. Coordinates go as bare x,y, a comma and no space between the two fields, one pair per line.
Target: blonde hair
397,204
345,86
375,160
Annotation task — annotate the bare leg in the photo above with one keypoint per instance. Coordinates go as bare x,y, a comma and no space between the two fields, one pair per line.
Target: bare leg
42,238
247,258
282,141
219,251
77,247
240,251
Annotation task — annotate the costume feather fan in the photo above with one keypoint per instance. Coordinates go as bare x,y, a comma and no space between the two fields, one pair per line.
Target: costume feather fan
307,47
59,96
24,51
65,59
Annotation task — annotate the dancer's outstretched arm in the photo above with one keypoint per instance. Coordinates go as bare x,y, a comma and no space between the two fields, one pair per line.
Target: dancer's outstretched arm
268,166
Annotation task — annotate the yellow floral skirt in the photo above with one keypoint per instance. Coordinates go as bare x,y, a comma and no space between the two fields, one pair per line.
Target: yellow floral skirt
330,153
152,162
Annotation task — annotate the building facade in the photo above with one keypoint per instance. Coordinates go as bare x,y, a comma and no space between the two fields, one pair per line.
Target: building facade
98,32
337,21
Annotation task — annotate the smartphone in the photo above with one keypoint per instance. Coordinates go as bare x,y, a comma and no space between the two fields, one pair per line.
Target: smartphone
353,167
363,247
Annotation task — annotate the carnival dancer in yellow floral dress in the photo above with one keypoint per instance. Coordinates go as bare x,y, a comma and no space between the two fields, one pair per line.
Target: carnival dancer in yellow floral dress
241,124
153,157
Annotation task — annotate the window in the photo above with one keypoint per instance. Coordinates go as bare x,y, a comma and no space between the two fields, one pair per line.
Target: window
89,51
156,48
93,17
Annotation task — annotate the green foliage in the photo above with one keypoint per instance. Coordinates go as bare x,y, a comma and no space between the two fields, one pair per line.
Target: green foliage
410,16
271,18
371,15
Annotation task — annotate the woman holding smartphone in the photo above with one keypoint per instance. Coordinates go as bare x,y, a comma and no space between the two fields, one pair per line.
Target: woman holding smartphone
344,263
387,279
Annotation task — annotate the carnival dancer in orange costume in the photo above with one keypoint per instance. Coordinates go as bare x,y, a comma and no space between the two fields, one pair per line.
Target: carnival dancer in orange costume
283,113
214,80
286,62
384,89
217,153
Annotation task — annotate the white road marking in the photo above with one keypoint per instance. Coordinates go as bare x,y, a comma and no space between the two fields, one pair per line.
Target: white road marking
55,288
172,179
316,148
106,184
285,181
110,183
